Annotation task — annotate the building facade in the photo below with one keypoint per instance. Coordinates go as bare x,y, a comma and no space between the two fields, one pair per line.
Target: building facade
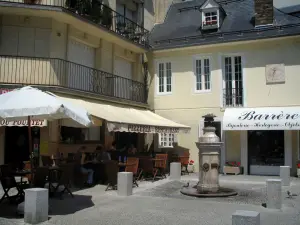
90,53
230,58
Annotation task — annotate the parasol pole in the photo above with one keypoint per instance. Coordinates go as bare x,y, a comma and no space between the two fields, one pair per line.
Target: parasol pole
30,146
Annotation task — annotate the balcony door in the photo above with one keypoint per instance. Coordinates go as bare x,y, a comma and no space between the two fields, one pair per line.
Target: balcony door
81,59
233,93
123,83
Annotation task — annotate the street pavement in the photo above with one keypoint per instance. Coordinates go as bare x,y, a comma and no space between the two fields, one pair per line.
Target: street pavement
160,203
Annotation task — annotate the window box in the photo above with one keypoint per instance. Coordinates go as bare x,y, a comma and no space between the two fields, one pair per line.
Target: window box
232,170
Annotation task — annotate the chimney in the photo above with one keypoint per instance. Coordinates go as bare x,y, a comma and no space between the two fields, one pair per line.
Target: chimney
264,12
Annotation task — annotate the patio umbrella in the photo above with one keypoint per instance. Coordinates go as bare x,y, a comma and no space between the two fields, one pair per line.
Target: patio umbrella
32,103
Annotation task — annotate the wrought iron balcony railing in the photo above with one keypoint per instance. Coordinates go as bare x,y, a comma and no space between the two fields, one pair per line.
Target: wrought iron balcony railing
99,14
50,72
233,97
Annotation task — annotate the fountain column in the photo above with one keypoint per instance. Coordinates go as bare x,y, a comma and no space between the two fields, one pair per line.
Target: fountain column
209,146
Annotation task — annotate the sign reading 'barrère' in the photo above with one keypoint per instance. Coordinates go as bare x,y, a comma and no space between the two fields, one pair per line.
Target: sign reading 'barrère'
262,119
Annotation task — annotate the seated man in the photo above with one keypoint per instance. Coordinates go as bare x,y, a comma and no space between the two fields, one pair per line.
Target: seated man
102,155
80,160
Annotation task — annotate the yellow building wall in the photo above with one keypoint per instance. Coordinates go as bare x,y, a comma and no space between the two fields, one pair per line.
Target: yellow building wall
187,107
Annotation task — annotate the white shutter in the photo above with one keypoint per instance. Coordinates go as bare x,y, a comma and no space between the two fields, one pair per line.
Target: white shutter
9,40
42,42
201,126
123,68
80,77
26,41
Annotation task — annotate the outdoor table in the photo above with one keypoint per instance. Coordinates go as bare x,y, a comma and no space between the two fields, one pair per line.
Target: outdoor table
21,173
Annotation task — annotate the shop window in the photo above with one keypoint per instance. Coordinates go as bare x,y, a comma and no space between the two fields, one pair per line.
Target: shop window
266,148
167,140
73,135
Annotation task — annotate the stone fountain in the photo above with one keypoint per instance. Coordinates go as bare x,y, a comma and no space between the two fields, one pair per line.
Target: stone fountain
209,146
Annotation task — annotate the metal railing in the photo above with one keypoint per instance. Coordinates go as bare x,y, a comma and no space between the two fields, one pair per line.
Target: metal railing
98,13
18,70
233,97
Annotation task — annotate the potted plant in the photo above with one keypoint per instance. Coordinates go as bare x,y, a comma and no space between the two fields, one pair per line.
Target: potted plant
298,169
191,167
233,168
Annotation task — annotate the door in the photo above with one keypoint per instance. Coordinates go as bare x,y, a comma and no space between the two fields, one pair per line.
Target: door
123,83
81,59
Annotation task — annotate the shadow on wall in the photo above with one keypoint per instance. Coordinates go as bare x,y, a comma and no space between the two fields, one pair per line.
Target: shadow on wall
149,6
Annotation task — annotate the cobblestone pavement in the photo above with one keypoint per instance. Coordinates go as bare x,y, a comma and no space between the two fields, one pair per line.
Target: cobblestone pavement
161,203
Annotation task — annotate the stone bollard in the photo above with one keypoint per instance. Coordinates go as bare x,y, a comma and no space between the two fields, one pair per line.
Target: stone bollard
175,171
241,217
274,195
125,182
36,205
285,175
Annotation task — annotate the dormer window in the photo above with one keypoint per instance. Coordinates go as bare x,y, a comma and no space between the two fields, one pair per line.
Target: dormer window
210,15
210,18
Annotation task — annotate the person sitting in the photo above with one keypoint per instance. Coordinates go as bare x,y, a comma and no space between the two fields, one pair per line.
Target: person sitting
101,154
132,150
80,157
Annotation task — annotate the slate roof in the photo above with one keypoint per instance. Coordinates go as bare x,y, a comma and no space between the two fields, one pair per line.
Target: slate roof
181,27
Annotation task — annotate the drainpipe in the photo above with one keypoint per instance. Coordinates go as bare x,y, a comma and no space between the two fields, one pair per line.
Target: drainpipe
145,65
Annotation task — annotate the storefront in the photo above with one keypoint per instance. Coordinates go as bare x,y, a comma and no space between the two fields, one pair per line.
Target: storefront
269,137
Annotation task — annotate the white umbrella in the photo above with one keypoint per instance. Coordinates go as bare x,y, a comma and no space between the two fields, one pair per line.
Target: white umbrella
28,101
31,103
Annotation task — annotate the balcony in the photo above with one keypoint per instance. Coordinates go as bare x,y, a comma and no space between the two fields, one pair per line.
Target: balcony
233,97
51,73
97,13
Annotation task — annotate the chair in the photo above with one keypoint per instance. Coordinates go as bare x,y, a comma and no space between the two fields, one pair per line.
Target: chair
111,171
161,164
79,178
65,175
146,167
184,160
40,177
8,182
133,168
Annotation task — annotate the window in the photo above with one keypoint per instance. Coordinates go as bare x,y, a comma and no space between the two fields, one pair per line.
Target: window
211,18
202,74
166,140
233,81
164,78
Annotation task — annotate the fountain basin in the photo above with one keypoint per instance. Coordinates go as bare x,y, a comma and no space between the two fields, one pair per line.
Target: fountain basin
222,192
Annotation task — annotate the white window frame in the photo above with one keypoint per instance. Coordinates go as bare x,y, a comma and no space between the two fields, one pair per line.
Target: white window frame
222,63
202,58
212,10
157,83
169,144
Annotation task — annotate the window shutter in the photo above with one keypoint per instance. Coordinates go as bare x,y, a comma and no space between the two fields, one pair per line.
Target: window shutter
176,138
201,126
159,141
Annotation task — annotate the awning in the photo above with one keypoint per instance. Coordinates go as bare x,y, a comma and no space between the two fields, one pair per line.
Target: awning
267,118
127,119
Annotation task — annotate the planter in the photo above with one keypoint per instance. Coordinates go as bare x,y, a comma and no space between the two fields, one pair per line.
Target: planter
232,170
190,168
298,172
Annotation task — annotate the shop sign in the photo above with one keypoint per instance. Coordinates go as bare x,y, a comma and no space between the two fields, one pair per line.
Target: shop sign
114,127
273,118
23,123
20,123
